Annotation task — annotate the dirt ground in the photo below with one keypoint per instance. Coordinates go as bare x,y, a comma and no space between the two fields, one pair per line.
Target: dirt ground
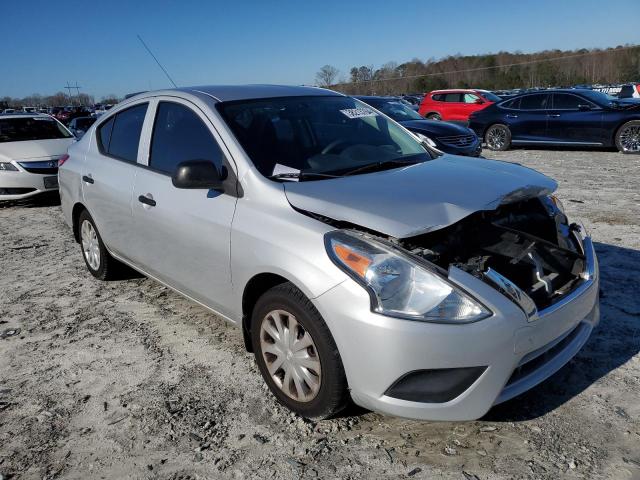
126,379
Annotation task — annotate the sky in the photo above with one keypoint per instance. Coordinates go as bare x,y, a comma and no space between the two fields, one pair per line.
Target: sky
48,43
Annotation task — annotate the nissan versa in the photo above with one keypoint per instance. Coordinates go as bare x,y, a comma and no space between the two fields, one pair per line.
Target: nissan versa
358,262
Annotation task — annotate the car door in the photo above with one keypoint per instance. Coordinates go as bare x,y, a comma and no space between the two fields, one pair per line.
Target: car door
183,236
109,172
454,107
471,103
527,119
574,119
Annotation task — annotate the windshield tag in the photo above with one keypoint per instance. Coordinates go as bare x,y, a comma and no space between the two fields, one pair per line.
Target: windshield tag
278,169
358,112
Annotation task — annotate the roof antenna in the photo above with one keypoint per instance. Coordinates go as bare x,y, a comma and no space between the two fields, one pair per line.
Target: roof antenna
159,64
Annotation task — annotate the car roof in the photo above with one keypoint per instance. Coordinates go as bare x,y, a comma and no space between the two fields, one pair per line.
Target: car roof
453,90
229,93
24,115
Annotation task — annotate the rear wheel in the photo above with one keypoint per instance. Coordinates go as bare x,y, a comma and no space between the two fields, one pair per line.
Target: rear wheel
498,137
297,355
434,116
628,137
98,261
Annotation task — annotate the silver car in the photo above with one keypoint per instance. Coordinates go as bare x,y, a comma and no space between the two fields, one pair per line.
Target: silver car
358,262
31,146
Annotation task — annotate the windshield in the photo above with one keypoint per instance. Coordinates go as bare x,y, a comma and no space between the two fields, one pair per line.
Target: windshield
32,128
396,110
318,134
598,97
491,97
84,123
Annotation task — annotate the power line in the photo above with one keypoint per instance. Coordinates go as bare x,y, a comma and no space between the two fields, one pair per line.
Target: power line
478,69
159,64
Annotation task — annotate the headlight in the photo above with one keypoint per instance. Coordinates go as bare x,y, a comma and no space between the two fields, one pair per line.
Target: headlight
7,167
398,286
425,139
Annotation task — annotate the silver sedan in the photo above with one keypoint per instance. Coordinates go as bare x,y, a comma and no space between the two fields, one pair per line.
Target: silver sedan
359,263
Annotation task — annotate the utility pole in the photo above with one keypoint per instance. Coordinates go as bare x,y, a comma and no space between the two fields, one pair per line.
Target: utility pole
75,87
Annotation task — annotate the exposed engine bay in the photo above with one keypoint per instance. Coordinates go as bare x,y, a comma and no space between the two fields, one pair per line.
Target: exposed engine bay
528,242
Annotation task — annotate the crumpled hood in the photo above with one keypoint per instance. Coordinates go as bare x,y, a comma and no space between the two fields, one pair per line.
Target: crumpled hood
408,201
435,128
35,149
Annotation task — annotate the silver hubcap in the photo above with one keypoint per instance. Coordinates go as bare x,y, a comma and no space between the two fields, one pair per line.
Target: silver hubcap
496,138
630,138
90,245
290,355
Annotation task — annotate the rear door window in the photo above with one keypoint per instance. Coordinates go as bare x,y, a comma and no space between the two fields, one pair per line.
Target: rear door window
470,98
180,135
119,137
537,101
453,97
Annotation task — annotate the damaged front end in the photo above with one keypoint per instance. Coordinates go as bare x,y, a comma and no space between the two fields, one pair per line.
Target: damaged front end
527,250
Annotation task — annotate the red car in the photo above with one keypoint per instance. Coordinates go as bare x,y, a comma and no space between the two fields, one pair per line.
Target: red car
455,105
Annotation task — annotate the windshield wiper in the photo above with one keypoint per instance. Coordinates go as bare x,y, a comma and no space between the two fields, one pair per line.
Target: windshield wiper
372,167
302,175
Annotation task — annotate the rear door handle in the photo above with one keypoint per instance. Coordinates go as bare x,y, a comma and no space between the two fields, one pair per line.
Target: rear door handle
512,115
87,179
554,115
147,201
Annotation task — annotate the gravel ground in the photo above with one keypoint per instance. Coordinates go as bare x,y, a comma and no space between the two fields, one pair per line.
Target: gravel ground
126,379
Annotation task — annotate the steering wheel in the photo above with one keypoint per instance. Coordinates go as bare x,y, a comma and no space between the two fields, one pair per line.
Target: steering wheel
333,145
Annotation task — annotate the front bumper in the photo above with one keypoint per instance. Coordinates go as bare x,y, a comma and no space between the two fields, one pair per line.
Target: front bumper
518,353
16,185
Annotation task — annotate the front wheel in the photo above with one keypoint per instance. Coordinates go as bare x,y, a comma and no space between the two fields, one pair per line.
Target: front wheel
498,137
434,116
296,354
628,137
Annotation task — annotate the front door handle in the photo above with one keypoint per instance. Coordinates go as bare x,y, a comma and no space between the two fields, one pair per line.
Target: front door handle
87,179
512,115
147,201
553,115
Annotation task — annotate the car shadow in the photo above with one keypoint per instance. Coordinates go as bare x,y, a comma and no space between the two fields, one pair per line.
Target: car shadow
612,343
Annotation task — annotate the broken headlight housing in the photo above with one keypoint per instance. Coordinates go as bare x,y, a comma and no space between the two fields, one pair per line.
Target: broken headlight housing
398,285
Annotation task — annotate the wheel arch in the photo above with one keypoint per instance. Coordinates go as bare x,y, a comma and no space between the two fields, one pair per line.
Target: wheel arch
78,208
253,290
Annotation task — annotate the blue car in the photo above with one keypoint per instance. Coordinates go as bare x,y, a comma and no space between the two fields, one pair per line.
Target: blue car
575,117
446,137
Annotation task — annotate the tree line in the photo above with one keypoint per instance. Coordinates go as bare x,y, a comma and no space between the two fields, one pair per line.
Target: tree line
495,71
58,99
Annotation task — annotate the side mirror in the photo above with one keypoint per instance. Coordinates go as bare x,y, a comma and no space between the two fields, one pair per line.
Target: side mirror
584,108
479,101
198,174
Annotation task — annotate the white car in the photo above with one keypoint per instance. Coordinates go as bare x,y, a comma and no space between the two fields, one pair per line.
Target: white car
30,147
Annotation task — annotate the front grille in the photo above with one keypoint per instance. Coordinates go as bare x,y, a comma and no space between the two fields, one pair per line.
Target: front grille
15,191
48,167
458,140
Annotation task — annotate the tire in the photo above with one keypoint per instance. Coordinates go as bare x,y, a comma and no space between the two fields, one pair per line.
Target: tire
434,116
498,137
628,137
101,265
326,390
